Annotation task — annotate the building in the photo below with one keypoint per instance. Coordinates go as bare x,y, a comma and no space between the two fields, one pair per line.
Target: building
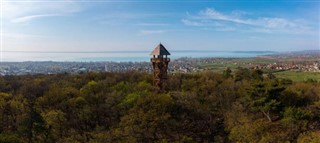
160,63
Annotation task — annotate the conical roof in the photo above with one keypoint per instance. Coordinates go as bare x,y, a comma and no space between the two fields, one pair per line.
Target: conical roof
160,50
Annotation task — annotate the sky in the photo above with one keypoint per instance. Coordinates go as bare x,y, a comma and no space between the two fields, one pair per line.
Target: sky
139,25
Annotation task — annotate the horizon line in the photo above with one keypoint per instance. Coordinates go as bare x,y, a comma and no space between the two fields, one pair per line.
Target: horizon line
138,51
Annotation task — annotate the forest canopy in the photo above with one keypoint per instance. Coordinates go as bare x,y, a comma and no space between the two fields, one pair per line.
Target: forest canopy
234,106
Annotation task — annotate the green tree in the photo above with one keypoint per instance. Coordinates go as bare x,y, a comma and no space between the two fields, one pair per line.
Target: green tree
309,137
264,98
296,120
242,74
227,73
257,74
32,126
148,121
9,138
55,122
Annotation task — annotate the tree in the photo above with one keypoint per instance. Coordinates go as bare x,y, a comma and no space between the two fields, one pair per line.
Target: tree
124,107
196,118
296,120
264,97
32,126
9,138
257,74
227,73
4,112
148,121
242,74
55,122
309,137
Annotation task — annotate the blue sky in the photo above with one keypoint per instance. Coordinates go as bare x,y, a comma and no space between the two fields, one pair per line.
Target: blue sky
119,25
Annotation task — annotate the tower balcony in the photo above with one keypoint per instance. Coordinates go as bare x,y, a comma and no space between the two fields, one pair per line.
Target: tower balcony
158,60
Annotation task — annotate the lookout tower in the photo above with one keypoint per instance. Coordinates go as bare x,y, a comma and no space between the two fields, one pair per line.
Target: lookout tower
160,63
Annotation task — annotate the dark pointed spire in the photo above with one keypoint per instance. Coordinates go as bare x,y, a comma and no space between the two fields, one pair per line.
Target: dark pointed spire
160,50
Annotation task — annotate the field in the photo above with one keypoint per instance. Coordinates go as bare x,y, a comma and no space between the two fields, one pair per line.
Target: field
218,67
233,64
297,75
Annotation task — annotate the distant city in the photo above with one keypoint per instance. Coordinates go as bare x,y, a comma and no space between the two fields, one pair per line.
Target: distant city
307,61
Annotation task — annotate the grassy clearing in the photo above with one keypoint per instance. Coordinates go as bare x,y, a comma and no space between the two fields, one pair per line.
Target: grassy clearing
233,64
218,67
297,75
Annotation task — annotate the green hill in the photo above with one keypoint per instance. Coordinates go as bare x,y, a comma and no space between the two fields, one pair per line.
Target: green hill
233,106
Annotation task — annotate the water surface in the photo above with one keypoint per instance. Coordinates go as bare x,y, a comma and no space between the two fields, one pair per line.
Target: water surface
121,56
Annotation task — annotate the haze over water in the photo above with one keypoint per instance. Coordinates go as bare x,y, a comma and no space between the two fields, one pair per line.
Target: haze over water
123,56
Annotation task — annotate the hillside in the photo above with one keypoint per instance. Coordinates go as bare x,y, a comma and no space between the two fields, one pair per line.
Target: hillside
233,106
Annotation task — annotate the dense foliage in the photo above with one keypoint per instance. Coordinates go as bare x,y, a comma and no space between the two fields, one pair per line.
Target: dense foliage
234,106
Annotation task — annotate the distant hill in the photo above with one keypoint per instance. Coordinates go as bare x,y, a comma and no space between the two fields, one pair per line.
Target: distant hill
259,52
302,52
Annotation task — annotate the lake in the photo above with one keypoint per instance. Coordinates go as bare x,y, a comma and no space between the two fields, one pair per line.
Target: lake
120,56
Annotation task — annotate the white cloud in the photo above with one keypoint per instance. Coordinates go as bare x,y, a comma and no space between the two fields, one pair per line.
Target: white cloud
192,23
200,23
32,17
150,32
235,19
215,15
273,23
25,11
